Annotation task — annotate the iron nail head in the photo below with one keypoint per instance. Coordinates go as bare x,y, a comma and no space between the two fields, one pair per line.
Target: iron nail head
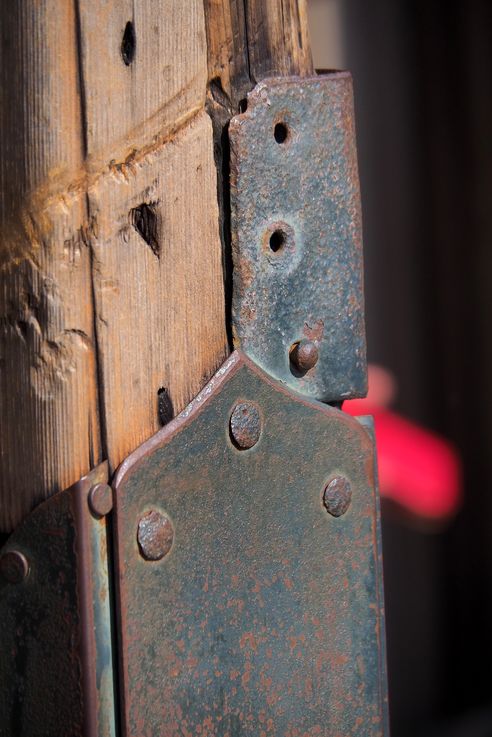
101,499
14,566
155,535
245,425
304,355
337,496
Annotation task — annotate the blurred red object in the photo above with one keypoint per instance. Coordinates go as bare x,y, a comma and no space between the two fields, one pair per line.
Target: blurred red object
418,469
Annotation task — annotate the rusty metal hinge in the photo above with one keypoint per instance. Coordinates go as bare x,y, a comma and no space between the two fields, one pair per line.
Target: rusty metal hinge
244,538
56,669
298,308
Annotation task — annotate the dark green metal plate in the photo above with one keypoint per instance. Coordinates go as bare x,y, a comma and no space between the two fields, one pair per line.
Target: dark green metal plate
265,616
56,669
297,233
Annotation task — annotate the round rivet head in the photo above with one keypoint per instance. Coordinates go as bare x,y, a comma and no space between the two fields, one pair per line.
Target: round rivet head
155,535
245,425
14,566
337,496
304,355
101,499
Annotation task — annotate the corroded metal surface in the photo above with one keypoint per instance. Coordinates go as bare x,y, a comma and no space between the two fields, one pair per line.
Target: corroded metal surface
296,233
265,618
56,673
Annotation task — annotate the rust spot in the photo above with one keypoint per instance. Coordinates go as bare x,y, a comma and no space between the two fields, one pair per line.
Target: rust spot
247,271
248,640
314,333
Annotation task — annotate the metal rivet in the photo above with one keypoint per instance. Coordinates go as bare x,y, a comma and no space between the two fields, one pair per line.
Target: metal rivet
245,425
304,355
101,499
155,535
14,566
337,496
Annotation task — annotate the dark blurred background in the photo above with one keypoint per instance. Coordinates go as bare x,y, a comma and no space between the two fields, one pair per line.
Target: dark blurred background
423,92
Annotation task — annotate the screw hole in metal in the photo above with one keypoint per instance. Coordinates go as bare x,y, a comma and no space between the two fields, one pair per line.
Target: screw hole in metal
281,132
279,245
277,240
128,44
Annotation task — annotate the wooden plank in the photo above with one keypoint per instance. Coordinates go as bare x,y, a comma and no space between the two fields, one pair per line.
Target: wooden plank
129,277
228,66
160,312
48,394
248,41
159,284
135,99
278,40
80,119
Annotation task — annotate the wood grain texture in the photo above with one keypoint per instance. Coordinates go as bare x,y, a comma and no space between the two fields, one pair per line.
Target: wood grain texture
278,39
132,106
160,305
93,323
111,275
160,312
249,40
48,394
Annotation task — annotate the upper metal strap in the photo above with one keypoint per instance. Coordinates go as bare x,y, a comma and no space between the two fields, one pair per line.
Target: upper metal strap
296,235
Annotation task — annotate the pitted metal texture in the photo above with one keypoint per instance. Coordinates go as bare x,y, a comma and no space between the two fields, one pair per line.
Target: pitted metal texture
297,236
56,674
265,617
